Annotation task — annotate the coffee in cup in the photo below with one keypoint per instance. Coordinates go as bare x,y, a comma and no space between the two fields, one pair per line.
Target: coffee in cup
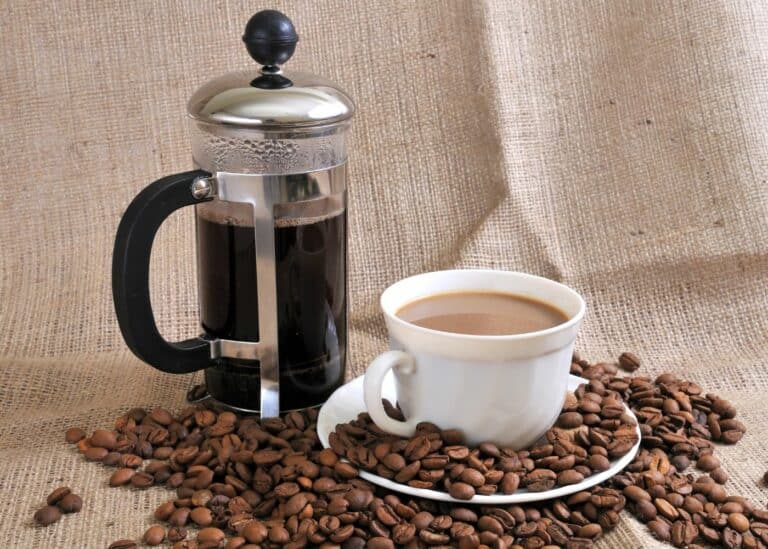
487,352
482,313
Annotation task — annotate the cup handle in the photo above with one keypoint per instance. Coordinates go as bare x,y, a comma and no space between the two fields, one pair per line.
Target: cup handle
372,383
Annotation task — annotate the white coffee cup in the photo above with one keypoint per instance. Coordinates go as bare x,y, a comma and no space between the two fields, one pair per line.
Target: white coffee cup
507,389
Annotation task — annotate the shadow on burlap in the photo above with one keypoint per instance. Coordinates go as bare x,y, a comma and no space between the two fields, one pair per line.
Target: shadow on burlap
620,147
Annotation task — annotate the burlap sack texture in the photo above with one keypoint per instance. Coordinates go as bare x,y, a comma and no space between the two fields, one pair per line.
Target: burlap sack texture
619,147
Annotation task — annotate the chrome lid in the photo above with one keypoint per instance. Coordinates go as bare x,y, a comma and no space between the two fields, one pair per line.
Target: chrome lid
308,101
269,98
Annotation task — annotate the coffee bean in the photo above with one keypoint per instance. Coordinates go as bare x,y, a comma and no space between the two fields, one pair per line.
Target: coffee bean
161,416
732,539
102,438
74,435
121,477
629,361
155,535
394,461
540,480
179,517
683,533
47,515
123,544
738,522
408,472
255,532
509,483
379,542
176,533
472,477
345,470
570,420
403,533
417,448
661,530
708,463
71,503
295,504
598,463
461,490
210,535
719,475
340,535
95,453
569,477
636,494
141,479
589,531
58,494
201,516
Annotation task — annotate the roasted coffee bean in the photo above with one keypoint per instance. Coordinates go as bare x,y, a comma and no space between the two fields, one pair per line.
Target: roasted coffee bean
661,530
141,479
210,536
403,533
569,420
408,472
201,516
57,495
155,535
112,459
540,480
179,517
732,539
255,532
568,477
461,490
47,515
123,544
71,503
417,448
101,438
738,522
74,435
95,453
683,533
509,483
345,470
161,416
708,463
629,361
165,510
121,477
176,534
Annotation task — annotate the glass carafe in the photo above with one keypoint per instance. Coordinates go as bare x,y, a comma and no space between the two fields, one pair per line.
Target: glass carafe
270,148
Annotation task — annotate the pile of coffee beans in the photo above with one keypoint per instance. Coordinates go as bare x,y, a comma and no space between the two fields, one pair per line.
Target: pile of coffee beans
679,424
61,500
592,429
241,482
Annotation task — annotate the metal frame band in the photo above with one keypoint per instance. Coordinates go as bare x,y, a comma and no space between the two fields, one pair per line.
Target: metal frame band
263,193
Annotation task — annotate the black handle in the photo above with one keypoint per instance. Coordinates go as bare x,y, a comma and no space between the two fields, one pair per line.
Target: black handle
130,276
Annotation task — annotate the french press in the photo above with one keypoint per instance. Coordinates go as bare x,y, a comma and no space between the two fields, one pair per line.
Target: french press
270,210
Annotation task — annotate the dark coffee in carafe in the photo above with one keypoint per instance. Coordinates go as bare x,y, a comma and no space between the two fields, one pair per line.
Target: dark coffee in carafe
310,262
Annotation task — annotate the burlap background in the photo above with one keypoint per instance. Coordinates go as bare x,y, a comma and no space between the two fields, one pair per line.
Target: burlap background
620,147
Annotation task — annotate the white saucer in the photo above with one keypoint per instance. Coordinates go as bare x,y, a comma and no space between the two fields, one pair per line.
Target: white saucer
347,402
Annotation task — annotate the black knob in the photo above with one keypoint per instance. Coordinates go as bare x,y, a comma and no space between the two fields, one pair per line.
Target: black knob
270,37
